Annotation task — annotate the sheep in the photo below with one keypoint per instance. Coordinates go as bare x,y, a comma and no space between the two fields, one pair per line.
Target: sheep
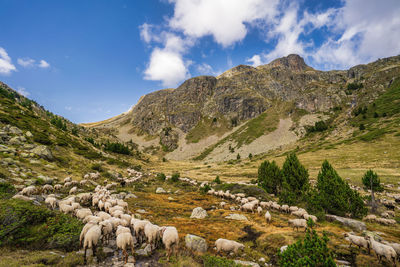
357,240
248,207
76,205
107,230
170,239
312,217
91,239
123,241
122,229
65,208
298,223
264,204
370,217
228,246
299,213
103,215
84,198
92,218
222,204
293,208
138,227
57,187
30,190
395,246
267,217
47,188
82,213
73,190
285,208
276,206
382,250
84,230
283,248
259,210
68,184
151,231
251,198
386,221
68,179
122,203
51,201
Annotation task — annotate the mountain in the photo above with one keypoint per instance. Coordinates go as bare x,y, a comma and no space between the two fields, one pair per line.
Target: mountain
249,110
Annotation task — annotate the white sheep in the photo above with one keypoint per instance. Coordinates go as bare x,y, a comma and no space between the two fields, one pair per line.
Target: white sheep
122,229
92,218
285,208
248,207
395,246
370,217
138,227
382,250
267,217
91,239
107,230
103,215
82,213
170,239
152,233
51,201
298,223
57,187
228,246
84,230
68,179
30,190
73,190
312,217
76,205
222,204
123,241
65,208
259,210
47,188
357,240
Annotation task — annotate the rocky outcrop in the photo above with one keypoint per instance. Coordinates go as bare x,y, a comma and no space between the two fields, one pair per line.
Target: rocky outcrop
354,224
196,243
43,152
198,213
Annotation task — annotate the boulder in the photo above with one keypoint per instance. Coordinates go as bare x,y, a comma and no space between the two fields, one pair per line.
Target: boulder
374,235
354,224
196,243
14,141
247,263
198,213
43,152
28,134
160,190
15,130
235,216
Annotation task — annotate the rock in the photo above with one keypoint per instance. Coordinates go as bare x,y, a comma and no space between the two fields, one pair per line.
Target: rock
141,211
198,213
261,260
4,148
171,199
354,224
342,263
14,140
43,152
50,166
372,234
196,243
160,190
28,134
247,263
15,130
130,195
35,161
235,216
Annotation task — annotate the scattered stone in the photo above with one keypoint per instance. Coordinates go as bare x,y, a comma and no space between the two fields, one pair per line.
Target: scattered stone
196,243
108,251
160,190
261,260
247,263
354,224
15,130
50,166
28,134
141,211
35,161
43,152
198,213
171,199
235,216
15,141
130,195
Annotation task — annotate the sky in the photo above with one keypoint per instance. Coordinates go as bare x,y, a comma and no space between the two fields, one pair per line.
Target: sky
91,60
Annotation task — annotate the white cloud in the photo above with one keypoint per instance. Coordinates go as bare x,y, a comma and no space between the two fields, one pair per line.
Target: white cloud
6,66
226,20
166,66
255,60
26,62
367,31
146,32
205,69
22,91
43,64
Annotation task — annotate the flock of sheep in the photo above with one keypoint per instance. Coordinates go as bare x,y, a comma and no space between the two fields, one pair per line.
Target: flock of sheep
107,217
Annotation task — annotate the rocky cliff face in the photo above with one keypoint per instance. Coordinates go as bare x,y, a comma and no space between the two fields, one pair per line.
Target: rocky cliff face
245,92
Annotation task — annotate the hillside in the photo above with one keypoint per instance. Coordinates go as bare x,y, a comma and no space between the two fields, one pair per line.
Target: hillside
249,110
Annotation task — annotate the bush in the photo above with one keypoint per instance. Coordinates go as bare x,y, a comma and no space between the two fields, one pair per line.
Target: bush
205,189
217,180
117,148
238,156
41,138
97,167
312,251
250,156
270,177
361,127
295,180
319,126
175,177
7,190
161,176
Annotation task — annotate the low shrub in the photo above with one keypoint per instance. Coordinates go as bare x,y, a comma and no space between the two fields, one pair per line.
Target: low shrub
161,176
213,261
7,190
175,177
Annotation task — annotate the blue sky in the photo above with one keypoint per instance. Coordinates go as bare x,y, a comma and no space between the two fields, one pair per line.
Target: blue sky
91,60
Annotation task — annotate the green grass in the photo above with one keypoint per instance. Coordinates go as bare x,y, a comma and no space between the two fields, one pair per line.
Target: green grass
208,127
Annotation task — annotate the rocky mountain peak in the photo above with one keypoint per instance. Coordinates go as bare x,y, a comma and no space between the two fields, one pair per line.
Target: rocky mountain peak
292,62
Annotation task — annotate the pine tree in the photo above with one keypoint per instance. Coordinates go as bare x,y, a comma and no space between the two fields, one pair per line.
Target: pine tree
296,180
270,177
372,182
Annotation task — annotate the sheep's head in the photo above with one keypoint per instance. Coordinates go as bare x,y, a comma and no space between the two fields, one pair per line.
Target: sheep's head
346,234
241,246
